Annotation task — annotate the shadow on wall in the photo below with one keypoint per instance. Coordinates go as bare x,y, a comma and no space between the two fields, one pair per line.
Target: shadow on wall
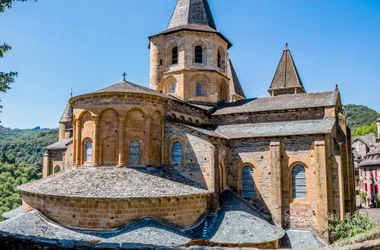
198,154
252,153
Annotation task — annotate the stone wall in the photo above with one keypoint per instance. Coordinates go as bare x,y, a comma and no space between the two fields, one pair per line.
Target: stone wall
92,213
295,115
199,158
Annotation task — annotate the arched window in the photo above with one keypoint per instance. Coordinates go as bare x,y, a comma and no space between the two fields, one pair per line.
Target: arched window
198,54
199,89
134,151
172,88
247,183
177,153
57,169
175,55
299,182
88,152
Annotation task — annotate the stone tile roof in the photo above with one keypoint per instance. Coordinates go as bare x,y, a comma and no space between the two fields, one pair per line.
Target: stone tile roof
193,15
272,129
60,145
128,87
112,182
150,232
277,103
142,234
207,132
366,139
12,213
372,158
237,222
192,12
300,240
67,115
286,75
235,86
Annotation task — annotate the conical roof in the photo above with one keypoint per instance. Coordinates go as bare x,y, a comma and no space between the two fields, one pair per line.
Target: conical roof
286,75
67,115
192,15
189,12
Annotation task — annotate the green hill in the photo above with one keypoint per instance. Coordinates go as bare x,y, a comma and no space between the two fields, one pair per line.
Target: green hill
359,116
21,156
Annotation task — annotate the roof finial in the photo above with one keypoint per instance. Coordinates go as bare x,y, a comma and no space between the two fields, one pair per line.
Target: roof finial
71,92
124,75
286,46
336,87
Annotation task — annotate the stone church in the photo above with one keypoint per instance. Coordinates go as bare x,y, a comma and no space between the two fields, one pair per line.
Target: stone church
191,160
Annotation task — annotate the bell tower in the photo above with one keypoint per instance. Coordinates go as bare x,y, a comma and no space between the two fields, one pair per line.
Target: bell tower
189,60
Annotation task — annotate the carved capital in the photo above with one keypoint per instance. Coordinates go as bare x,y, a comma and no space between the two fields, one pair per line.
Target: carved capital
95,119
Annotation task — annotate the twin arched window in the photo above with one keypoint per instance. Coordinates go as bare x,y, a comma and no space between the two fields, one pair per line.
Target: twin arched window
247,183
88,151
175,55
198,54
299,182
177,153
134,151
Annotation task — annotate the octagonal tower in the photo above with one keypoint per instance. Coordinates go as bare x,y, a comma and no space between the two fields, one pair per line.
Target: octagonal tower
189,60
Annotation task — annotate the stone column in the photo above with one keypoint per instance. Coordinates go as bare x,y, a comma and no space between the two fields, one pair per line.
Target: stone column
276,181
148,141
95,153
121,161
321,185
78,138
46,165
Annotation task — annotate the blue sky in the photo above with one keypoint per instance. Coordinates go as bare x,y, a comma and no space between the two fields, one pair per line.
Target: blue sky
87,45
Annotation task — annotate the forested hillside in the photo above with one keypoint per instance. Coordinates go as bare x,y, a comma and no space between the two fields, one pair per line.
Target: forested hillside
21,155
359,116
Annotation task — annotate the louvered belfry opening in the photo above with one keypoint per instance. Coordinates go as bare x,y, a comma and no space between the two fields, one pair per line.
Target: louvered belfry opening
247,183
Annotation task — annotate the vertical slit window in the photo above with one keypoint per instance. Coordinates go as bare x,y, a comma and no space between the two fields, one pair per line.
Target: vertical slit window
88,151
175,55
177,153
299,182
247,183
134,151
198,54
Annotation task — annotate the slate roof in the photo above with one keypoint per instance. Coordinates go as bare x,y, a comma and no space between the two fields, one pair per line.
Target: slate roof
235,86
194,15
237,222
112,182
12,213
60,145
366,139
301,240
272,129
282,102
67,115
286,74
192,12
371,158
142,234
128,87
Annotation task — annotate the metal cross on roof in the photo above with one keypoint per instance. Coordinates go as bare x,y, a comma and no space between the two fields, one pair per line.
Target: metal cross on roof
124,75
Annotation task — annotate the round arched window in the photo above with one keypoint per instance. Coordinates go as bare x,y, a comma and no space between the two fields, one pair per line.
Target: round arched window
299,182
247,182
177,153
88,151
57,169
